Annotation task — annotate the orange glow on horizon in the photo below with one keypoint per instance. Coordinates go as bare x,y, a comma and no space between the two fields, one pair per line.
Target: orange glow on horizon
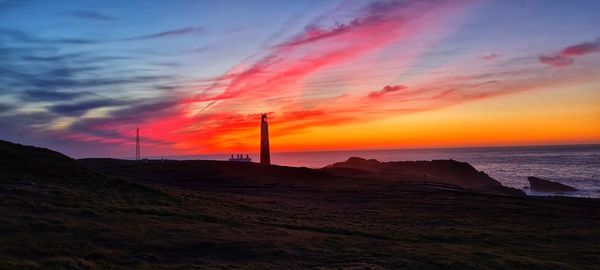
523,119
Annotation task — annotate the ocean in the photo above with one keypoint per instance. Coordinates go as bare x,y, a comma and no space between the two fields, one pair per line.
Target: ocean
575,165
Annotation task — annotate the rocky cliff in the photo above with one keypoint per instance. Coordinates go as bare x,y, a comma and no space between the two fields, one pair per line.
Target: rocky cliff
541,185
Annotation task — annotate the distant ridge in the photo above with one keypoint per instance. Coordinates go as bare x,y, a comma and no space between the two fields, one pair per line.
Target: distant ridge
442,171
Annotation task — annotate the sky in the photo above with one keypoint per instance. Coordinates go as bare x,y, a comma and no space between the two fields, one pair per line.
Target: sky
79,76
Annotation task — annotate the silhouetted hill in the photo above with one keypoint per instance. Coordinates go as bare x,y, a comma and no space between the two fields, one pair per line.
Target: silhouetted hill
32,162
204,174
34,166
440,171
57,213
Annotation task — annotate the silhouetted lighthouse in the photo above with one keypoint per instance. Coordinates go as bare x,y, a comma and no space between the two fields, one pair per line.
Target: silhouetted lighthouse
137,143
265,153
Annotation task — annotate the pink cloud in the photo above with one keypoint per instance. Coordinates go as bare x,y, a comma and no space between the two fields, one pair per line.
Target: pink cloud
582,49
490,57
317,47
566,56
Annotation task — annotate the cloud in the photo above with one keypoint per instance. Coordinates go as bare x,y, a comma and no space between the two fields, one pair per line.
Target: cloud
6,107
556,60
566,56
69,78
24,37
82,95
313,33
53,58
45,95
582,49
385,90
200,49
24,124
169,33
91,15
374,15
318,47
79,108
490,57
19,36
76,41
67,84
130,112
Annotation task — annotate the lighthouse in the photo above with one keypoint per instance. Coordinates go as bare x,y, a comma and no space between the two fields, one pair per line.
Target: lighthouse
265,152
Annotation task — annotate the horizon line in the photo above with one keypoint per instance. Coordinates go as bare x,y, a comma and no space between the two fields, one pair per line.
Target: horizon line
386,149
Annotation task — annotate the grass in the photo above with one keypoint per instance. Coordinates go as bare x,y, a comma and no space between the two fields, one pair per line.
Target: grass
81,219
174,229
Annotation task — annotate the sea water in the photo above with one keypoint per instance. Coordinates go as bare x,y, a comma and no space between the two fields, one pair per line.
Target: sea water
574,165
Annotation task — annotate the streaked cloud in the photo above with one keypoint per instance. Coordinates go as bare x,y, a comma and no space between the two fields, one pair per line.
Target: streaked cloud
168,33
91,15
556,60
386,89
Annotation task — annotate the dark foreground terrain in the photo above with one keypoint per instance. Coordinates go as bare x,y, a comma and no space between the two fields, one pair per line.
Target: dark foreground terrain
58,213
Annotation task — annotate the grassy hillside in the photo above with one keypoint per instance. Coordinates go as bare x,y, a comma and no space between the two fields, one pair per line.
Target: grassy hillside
58,214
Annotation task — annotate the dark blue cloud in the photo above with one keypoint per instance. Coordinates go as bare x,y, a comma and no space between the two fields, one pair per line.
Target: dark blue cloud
43,95
70,71
23,37
91,15
79,108
6,107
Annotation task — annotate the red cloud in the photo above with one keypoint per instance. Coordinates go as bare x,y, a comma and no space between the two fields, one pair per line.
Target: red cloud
582,49
385,90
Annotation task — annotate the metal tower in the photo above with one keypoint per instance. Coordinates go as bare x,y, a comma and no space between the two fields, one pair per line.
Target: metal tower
137,143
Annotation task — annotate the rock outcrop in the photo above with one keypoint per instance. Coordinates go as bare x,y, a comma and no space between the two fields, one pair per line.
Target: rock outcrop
440,171
541,185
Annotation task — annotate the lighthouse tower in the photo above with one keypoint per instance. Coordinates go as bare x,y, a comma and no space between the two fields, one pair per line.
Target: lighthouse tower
265,152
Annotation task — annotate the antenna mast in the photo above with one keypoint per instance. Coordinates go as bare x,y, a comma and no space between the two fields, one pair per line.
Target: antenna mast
137,143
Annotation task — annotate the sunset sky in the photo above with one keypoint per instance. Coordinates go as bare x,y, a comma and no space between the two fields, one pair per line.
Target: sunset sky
79,76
